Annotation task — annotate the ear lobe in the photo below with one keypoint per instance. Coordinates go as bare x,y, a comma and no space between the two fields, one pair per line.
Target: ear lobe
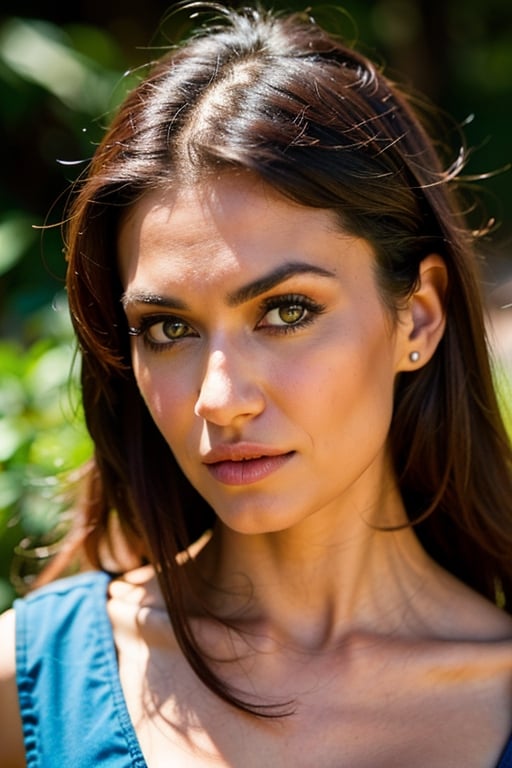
425,315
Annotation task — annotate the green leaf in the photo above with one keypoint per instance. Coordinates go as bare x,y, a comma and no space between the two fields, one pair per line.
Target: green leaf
39,52
16,236
13,434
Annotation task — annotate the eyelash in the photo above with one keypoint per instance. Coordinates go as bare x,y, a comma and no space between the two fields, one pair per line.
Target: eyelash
311,308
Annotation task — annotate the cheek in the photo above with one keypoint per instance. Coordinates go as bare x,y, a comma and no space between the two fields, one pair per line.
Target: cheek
167,397
350,385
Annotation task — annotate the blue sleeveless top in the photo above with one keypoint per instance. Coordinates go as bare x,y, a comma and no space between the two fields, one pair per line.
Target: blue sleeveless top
72,705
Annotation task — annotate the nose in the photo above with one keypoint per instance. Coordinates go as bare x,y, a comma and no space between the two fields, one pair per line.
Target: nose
229,392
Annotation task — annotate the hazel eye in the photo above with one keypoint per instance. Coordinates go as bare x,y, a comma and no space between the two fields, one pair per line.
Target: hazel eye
168,330
159,333
288,314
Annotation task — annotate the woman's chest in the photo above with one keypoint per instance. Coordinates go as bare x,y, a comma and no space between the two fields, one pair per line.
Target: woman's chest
347,714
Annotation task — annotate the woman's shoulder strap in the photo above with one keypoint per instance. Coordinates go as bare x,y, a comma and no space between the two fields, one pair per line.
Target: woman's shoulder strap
70,697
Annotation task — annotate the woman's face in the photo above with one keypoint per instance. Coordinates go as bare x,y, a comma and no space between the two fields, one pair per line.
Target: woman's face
262,349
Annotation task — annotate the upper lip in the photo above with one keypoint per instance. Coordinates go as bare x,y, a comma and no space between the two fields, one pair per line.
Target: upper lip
240,452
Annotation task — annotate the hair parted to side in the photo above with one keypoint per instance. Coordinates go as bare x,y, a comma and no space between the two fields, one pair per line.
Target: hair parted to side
277,96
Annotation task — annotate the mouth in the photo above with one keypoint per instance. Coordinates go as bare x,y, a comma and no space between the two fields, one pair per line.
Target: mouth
245,468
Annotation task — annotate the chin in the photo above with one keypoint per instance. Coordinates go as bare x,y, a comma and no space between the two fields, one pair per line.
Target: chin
249,519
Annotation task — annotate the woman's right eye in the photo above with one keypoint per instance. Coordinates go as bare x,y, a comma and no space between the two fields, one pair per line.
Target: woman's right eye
161,332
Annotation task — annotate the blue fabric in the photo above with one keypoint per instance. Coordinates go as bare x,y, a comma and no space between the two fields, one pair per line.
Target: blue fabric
72,705
506,757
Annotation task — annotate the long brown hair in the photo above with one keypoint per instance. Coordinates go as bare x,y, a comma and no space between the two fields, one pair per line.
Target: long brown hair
280,97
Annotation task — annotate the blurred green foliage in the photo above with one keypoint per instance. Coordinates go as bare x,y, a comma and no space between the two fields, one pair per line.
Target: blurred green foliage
42,438
52,84
61,76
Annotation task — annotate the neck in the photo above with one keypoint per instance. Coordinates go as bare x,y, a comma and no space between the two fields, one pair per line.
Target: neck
315,583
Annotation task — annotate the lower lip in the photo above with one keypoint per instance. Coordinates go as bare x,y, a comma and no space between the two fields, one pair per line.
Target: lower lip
248,471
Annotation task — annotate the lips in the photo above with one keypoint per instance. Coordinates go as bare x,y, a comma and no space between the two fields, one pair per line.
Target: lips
244,464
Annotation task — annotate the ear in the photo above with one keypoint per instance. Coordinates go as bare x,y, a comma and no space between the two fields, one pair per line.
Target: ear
423,321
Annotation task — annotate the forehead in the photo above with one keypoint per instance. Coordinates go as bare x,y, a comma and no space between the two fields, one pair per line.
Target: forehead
217,227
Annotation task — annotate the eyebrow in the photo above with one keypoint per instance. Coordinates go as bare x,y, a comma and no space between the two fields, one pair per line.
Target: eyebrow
278,275
153,299
240,295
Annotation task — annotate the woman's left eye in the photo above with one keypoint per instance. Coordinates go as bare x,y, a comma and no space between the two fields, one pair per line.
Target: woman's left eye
289,312
286,315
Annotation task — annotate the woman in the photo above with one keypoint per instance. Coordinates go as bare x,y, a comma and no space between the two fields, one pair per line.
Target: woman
298,523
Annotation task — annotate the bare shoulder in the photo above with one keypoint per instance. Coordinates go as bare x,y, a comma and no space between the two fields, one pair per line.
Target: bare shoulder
11,736
454,611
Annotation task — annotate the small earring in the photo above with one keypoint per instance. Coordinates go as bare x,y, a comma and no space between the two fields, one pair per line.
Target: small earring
414,356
